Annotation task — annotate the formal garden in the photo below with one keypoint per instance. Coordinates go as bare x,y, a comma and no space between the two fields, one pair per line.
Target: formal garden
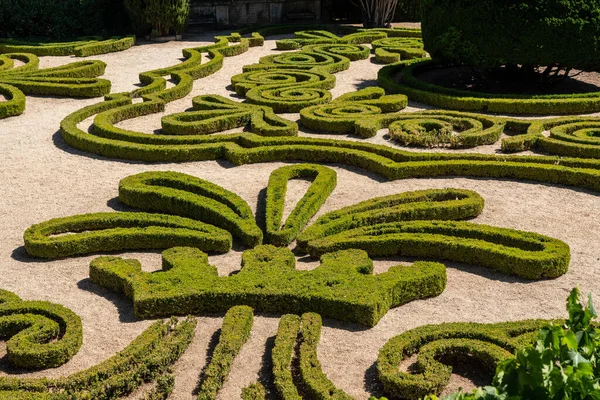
273,199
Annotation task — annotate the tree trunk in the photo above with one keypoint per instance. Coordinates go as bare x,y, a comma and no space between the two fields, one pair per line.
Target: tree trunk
377,13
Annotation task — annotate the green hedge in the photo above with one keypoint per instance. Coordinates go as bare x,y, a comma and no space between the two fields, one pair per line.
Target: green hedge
101,232
255,391
343,115
282,355
83,47
235,331
393,49
191,197
40,334
148,357
290,82
324,181
343,287
433,204
73,80
314,380
213,113
401,78
436,346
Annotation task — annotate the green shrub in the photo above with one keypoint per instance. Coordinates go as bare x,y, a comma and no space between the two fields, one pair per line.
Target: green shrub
437,347
158,17
100,232
147,358
255,391
40,334
324,181
84,47
235,331
483,33
343,287
282,355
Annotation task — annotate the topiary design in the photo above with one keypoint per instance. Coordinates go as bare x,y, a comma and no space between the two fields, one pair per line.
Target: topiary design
145,360
83,47
391,50
324,181
344,114
213,113
290,82
74,80
342,288
395,225
436,346
40,334
402,78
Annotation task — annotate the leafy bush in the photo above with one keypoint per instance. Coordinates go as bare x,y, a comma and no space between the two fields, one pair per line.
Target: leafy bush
158,17
563,363
484,33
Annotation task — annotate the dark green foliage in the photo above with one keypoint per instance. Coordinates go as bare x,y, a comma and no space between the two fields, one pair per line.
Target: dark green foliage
92,233
282,354
401,78
191,197
213,113
40,334
147,358
394,49
324,181
158,17
343,287
344,114
317,385
484,33
81,48
235,331
74,80
57,19
483,345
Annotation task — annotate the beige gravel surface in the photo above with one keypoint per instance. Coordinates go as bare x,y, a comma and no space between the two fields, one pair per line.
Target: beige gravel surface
42,178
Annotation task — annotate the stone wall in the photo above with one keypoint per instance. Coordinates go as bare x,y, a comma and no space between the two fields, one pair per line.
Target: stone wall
240,13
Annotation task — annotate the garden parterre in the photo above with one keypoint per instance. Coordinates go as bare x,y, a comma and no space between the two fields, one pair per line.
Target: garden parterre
350,180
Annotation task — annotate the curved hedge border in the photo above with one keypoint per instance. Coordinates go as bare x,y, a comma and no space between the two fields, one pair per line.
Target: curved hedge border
147,358
290,82
324,181
84,47
343,287
314,380
452,343
282,356
188,196
73,80
394,49
41,334
213,113
400,78
100,232
237,325
319,35
377,226
343,114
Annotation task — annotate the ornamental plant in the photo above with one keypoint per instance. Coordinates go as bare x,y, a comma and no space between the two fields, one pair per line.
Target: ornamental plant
159,17
563,363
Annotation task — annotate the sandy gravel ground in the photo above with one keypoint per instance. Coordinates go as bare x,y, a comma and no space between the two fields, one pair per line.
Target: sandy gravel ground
42,178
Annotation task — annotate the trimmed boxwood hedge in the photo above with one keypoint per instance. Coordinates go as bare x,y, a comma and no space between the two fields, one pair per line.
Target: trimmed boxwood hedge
73,80
282,355
378,226
147,358
324,181
235,331
40,334
343,287
394,49
101,232
191,197
436,346
400,78
83,47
